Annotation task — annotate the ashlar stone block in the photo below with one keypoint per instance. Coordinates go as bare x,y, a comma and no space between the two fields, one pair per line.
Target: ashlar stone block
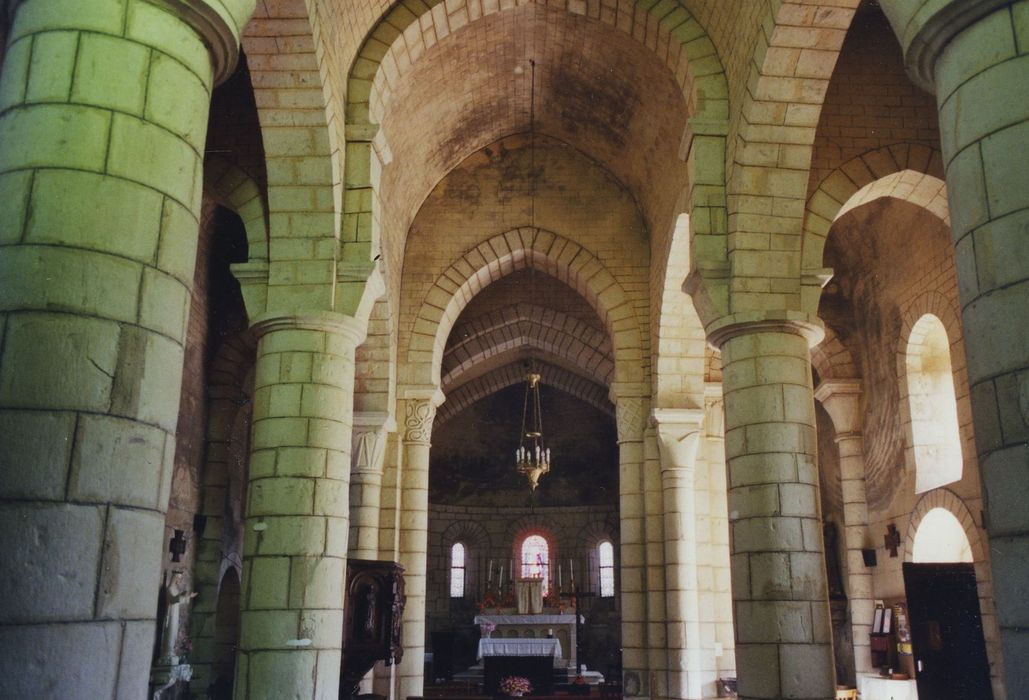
117,461
99,57
35,454
131,567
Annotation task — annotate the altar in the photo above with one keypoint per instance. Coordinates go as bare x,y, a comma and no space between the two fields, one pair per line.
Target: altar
537,627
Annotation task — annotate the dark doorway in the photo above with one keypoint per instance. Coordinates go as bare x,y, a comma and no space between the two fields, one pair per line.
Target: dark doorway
947,632
226,637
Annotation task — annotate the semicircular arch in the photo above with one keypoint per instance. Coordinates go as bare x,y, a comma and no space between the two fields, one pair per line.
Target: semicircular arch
909,173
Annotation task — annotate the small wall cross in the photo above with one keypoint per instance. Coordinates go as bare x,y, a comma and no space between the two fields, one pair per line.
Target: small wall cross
892,539
177,545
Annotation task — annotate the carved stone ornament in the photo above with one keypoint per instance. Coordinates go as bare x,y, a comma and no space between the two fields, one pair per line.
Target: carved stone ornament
368,451
630,418
418,418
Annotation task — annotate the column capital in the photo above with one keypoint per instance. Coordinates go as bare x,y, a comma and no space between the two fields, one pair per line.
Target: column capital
841,399
220,25
418,417
369,441
747,322
925,29
325,321
374,420
678,431
630,418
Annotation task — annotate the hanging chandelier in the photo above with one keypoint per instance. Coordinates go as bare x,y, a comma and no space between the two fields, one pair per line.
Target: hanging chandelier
532,458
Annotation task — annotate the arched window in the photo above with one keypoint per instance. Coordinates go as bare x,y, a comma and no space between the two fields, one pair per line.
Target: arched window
457,569
940,539
536,560
935,435
606,559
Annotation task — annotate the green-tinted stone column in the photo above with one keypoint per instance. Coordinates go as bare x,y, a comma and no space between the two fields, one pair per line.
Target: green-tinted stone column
975,57
780,598
298,507
982,80
103,115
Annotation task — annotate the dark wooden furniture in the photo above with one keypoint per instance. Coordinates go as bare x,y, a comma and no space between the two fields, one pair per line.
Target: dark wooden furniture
373,608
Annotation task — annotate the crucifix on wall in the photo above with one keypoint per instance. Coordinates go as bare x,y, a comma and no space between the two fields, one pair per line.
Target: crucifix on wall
892,539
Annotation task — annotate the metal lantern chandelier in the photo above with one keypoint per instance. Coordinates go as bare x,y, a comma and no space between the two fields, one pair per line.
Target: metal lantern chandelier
532,458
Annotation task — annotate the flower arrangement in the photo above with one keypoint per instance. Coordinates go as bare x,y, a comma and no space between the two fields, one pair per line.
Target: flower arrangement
486,628
515,685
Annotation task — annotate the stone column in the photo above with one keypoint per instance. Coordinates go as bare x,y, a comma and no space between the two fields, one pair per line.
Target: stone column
975,57
419,413
103,116
679,435
713,553
369,453
781,610
295,548
656,585
841,399
630,414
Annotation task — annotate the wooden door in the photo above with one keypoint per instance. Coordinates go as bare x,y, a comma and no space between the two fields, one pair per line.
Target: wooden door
947,632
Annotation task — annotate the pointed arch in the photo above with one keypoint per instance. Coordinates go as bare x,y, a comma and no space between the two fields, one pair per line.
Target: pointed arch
498,257
574,384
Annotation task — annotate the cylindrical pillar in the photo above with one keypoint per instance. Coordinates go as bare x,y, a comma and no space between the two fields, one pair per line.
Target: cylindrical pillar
369,452
295,548
780,597
976,57
103,116
841,399
656,573
630,415
679,435
414,533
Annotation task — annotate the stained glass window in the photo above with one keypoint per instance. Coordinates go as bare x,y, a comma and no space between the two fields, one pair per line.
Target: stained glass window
536,560
457,570
606,557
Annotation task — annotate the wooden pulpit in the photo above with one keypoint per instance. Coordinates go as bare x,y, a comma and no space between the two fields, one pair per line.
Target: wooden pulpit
373,609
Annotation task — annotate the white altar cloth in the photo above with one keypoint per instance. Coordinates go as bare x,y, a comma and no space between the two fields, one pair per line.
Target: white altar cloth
519,647
878,688
566,619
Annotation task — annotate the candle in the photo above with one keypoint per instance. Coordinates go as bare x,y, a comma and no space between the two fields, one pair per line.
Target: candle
501,573
559,581
490,569
571,568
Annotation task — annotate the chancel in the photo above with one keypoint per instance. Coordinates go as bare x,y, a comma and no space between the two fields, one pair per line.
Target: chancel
387,349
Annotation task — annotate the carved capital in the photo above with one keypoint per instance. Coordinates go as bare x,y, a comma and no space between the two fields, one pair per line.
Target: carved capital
369,442
841,399
418,417
714,410
679,431
630,419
